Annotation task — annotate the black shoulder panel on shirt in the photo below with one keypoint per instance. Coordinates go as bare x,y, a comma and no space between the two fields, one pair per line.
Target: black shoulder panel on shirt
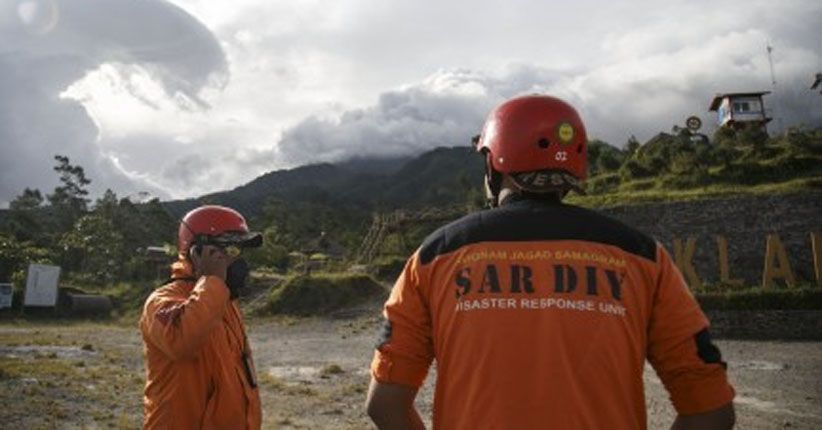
534,220
706,349
385,334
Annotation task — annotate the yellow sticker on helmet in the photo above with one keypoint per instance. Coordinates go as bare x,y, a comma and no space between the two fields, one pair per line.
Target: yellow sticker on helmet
565,131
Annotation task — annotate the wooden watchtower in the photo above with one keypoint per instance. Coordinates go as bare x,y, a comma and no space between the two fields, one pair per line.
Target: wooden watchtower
738,110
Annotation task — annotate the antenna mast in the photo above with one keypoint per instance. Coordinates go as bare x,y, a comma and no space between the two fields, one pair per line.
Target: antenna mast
770,62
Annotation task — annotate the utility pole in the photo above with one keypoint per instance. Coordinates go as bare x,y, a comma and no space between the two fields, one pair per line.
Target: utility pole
778,118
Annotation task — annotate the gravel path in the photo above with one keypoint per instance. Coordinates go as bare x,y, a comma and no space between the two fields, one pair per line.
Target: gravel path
778,384
314,375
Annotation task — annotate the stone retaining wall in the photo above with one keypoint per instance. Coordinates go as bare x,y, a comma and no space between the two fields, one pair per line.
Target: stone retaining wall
744,221
766,325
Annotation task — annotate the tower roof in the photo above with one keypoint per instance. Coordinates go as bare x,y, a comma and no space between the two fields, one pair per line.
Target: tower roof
718,98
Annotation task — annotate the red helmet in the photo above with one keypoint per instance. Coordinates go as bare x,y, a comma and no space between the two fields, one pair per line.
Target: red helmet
536,133
210,222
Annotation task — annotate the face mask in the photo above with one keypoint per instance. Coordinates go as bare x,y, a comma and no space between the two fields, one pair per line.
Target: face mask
236,277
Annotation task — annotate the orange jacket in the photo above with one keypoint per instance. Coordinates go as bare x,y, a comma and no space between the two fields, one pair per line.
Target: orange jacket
541,316
194,340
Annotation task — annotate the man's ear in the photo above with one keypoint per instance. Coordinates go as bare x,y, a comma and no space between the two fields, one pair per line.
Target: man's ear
490,198
194,255
196,247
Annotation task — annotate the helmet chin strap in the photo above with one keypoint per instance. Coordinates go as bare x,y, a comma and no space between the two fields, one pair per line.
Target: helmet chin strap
193,238
496,193
493,185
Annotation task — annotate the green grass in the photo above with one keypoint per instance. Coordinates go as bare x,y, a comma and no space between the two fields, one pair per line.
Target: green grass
331,369
322,293
717,191
270,381
103,378
43,367
128,298
737,169
757,298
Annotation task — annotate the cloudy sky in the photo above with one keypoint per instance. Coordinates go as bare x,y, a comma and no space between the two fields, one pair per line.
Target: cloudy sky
183,97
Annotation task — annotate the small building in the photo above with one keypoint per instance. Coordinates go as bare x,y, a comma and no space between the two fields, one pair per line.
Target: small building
737,110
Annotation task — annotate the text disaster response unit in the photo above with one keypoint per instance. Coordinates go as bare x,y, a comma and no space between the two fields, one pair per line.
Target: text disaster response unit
491,286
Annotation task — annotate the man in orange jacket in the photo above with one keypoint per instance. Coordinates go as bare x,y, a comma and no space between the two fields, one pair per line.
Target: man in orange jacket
199,369
540,315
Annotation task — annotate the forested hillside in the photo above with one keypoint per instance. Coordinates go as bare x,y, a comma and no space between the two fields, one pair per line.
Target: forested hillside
330,206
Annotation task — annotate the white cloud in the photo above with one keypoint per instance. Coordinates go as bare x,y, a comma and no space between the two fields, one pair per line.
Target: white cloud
205,95
636,95
150,50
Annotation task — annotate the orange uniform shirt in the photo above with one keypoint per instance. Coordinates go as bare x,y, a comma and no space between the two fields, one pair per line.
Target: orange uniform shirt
542,315
194,341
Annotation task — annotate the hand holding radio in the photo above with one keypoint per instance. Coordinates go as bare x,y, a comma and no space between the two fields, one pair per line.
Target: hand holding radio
210,260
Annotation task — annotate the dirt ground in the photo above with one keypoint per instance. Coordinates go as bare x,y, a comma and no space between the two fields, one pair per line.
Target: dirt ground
313,375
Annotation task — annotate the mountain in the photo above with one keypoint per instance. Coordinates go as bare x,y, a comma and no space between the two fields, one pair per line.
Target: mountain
374,166
443,176
292,184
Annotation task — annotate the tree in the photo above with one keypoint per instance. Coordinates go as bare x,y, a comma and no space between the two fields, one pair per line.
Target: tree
602,157
94,246
25,217
273,253
107,205
29,200
16,255
631,146
160,225
69,201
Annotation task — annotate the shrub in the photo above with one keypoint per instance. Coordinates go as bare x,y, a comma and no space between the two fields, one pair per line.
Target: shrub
602,183
320,294
270,255
128,297
656,163
809,142
388,268
790,164
724,136
633,169
747,173
752,135
603,157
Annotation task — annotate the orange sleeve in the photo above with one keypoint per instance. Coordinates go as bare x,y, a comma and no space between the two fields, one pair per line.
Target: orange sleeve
695,378
179,326
405,351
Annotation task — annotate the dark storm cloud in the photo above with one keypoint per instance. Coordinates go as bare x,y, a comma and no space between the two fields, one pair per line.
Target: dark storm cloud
47,45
